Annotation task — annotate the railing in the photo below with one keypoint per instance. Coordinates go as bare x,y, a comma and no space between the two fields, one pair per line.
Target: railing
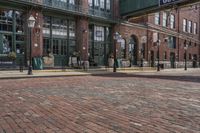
76,9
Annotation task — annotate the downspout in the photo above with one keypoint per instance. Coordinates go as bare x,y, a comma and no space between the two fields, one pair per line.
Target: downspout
199,34
178,54
148,45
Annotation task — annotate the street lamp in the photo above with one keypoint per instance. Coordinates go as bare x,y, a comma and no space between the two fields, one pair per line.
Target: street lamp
185,48
31,24
116,37
158,54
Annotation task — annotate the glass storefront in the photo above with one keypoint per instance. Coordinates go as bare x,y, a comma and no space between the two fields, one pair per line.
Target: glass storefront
99,45
59,38
12,33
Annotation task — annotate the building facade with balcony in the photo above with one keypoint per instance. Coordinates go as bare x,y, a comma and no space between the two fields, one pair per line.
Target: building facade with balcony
63,29
172,30
84,29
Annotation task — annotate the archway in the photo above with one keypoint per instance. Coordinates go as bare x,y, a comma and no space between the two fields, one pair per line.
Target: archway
132,49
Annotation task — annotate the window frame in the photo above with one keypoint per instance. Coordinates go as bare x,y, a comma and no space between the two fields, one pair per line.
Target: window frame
189,26
184,25
157,18
172,21
164,19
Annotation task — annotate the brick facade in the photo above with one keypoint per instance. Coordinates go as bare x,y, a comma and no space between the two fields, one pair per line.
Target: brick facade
142,29
145,26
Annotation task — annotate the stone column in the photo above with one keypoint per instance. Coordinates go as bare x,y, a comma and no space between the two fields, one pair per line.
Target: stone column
36,33
82,32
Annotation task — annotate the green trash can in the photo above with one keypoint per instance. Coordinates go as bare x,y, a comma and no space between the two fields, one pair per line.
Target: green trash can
37,63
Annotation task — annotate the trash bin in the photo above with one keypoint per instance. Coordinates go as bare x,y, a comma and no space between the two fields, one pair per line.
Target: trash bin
37,63
162,66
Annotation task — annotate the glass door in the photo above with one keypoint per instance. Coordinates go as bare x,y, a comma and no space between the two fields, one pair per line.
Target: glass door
99,54
60,52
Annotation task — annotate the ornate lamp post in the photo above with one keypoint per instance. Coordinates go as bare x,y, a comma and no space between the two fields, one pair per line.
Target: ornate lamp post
31,24
158,46
116,37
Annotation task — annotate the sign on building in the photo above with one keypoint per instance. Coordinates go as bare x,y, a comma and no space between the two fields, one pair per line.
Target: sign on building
167,2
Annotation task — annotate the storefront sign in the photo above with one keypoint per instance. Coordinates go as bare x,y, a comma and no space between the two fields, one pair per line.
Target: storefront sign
5,61
167,2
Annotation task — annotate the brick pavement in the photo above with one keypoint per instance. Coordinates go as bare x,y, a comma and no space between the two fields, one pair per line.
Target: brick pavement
115,103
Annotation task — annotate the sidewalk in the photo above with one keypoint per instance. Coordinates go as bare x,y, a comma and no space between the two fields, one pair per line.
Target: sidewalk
14,74
46,73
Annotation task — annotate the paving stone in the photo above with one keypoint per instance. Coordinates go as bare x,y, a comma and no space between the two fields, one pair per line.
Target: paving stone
112,103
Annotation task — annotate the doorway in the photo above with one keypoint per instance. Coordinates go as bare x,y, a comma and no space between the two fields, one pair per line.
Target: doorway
133,48
97,56
59,50
152,61
194,61
172,60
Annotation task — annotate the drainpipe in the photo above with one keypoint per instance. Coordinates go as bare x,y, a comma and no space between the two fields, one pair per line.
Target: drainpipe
178,56
199,34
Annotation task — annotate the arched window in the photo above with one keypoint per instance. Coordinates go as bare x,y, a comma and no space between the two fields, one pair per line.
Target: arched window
122,48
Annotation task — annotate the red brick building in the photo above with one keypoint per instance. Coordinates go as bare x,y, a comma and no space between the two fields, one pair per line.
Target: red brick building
84,29
173,29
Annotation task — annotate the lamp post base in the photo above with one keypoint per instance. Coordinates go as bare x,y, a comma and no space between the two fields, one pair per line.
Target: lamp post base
30,70
158,67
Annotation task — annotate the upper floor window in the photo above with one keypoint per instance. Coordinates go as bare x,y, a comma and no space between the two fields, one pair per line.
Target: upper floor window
71,2
195,28
100,4
90,3
96,3
190,26
164,19
66,1
63,0
172,21
185,25
107,4
157,18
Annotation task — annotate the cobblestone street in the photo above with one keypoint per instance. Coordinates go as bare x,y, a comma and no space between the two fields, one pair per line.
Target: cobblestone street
111,103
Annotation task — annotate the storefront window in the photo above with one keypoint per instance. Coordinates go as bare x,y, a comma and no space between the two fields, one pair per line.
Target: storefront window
60,38
98,33
46,25
122,48
72,46
59,27
55,46
71,29
46,46
6,23
11,27
7,44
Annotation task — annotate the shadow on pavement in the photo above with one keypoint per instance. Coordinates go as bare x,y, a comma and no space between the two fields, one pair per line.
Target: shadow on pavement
183,78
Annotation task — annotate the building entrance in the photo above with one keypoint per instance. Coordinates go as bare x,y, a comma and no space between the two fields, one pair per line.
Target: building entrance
99,54
172,60
133,50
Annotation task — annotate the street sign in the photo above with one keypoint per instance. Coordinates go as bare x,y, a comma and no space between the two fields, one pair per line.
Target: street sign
167,2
